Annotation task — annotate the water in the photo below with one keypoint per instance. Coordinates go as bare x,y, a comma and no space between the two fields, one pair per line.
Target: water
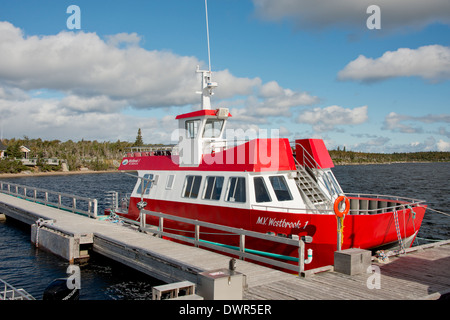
22,265
425,181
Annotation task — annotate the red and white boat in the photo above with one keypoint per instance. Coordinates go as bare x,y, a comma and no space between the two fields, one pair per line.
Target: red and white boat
263,185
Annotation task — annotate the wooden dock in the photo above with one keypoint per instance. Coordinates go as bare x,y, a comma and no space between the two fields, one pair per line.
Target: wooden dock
421,274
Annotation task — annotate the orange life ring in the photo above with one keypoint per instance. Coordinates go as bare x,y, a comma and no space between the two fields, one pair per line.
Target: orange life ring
340,214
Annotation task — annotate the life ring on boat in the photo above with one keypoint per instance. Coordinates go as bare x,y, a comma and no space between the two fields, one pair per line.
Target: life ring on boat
339,213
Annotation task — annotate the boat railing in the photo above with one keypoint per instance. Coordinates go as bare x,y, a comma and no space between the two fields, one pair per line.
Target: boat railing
307,159
360,204
149,151
291,209
8,292
60,200
242,251
218,145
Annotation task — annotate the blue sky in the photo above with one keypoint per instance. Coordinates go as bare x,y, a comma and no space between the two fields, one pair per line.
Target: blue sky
306,68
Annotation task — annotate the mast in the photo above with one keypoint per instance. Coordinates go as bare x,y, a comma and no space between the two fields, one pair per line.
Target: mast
207,85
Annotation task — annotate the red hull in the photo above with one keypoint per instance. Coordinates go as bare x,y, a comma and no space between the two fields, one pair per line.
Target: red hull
360,231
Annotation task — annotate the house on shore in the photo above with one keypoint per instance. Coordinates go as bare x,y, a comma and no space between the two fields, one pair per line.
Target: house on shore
25,159
2,150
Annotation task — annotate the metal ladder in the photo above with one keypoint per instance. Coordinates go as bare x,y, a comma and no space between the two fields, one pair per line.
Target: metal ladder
308,185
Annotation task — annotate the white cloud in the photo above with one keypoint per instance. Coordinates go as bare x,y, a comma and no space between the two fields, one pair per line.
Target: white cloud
428,62
54,119
320,14
327,118
83,64
123,39
74,84
275,101
443,145
408,124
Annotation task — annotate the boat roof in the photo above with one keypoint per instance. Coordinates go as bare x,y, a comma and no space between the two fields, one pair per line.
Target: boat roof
199,113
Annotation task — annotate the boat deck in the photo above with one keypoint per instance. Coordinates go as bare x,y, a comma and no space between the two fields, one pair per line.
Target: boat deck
421,274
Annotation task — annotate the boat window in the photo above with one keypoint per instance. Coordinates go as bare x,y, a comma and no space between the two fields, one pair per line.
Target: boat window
327,185
280,187
213,127
335,184
192,128
170,179
236,190
261,193
213,188
191,186
145,185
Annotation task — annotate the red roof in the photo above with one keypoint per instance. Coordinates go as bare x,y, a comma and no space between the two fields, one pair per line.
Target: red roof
316,150
198,113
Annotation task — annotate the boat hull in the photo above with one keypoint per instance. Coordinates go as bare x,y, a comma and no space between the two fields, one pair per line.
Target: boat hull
368,231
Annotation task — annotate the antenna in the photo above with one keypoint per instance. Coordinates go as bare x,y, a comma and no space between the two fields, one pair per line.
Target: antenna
207,85
207,34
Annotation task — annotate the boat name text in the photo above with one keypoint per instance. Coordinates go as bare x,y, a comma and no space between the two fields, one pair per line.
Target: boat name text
272,222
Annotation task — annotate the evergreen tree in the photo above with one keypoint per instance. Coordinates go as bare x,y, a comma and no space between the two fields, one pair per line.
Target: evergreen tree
138,141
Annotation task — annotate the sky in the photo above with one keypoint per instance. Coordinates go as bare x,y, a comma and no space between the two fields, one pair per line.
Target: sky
370,79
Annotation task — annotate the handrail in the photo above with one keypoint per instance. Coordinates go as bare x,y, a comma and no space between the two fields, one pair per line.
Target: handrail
401,202
11,293
92,204
385,197
311,160
241,252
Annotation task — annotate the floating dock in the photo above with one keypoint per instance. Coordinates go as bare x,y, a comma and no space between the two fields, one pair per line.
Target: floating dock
422,273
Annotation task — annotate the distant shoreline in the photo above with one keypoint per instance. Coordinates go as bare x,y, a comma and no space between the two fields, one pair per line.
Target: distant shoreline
61,173
381,163
51,173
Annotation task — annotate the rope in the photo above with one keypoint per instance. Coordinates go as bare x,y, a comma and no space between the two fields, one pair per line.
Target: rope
399,235
39,224
341,228
446,214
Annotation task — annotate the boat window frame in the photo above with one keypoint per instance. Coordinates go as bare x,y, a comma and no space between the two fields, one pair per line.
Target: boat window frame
150,183
284,182
213,188
229,189
192,131
213,130
170,181
334,183
264,188
193,184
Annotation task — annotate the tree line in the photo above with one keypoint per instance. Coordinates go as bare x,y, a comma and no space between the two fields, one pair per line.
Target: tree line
353,157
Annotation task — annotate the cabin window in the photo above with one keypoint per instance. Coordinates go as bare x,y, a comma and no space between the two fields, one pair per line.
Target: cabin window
192,128
236,190
170,179
280,187
213,127
213,188
145,185
334,183
191,186
261,193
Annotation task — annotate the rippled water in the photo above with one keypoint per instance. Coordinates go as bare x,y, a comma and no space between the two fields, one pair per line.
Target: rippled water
24,266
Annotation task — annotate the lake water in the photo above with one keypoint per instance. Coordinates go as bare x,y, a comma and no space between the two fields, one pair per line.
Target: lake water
22,265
